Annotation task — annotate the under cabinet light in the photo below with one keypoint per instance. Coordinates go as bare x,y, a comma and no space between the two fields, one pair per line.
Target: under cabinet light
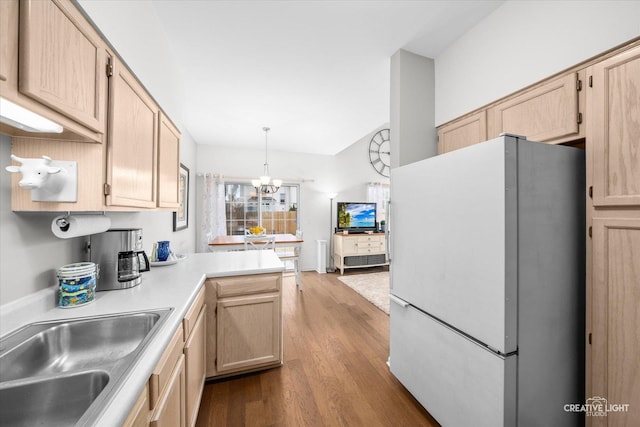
21,118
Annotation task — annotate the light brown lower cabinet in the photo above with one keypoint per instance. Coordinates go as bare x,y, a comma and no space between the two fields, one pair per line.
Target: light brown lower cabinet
615,321
248,332
244,323
166,385
195,353
170,411
172,395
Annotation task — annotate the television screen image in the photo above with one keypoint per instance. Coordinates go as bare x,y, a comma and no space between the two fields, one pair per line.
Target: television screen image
356,215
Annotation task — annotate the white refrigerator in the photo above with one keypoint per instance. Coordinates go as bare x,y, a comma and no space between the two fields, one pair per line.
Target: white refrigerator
488,283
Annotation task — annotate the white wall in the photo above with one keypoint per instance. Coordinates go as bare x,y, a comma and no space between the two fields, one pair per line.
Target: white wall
133,29
347,174
523,42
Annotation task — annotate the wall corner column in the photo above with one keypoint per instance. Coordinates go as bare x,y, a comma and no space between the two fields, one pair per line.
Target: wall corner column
412,109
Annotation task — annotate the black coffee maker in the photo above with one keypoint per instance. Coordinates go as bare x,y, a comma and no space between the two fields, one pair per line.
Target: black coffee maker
119,254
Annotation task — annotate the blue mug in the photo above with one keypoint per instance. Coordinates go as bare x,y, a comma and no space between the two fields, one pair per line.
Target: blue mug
163,250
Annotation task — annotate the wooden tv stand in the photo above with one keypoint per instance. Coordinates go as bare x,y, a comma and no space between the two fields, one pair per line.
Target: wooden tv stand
359,250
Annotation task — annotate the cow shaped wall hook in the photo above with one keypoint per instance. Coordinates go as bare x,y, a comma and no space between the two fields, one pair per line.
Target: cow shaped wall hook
49,180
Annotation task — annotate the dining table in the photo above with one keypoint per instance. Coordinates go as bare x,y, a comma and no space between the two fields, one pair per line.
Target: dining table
236,243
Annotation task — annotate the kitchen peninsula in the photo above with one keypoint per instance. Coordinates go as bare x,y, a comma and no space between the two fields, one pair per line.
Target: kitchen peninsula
175,286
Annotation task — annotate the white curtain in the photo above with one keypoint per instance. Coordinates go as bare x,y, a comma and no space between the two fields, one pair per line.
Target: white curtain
379,193
212,211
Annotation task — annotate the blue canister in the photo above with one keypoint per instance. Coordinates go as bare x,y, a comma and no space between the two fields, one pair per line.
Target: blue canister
163,250
76,284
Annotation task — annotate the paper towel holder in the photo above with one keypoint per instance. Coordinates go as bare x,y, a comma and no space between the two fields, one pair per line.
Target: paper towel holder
63,222
70,225
49,180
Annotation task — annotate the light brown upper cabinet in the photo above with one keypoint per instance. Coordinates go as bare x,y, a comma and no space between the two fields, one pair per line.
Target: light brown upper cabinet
62,61
546,113
462,133
614,130
168,163
132,142
8,39
14,19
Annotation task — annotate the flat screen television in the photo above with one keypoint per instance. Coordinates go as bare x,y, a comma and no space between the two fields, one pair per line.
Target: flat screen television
356,216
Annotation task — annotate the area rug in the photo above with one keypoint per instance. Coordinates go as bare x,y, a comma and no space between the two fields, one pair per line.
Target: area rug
373,286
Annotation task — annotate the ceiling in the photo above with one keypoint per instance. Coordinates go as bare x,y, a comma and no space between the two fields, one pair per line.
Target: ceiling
316,72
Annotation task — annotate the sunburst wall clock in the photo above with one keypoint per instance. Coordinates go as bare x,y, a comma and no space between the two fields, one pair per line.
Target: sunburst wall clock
380,152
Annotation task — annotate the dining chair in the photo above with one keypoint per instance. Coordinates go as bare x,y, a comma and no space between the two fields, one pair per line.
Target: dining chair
293,255
259,242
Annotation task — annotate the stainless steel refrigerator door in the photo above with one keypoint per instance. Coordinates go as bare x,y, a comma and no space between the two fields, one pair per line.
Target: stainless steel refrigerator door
454,239
459,382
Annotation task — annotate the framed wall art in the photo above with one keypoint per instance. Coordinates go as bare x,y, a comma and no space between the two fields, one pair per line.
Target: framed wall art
181,217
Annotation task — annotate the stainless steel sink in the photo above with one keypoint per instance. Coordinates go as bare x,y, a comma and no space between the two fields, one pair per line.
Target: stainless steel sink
71,345
51,366
57,401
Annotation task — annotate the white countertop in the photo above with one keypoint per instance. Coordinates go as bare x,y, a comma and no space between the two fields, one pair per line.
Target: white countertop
173,286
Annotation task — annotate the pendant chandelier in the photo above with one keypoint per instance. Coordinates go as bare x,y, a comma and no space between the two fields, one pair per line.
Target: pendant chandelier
264,184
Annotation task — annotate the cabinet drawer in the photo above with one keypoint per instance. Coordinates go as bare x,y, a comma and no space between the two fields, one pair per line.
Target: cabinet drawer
370,244
372,249
243,285
192,315
369,239
161,375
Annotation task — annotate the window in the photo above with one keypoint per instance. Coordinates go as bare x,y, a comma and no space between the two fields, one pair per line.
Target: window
279,211
379,193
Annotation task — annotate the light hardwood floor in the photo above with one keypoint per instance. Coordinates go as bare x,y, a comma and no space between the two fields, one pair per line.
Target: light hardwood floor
336,345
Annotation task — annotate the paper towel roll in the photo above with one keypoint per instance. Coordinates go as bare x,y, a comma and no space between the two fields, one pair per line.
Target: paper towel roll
66,227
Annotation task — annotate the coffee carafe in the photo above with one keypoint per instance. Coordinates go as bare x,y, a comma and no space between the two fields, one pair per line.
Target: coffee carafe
119,254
